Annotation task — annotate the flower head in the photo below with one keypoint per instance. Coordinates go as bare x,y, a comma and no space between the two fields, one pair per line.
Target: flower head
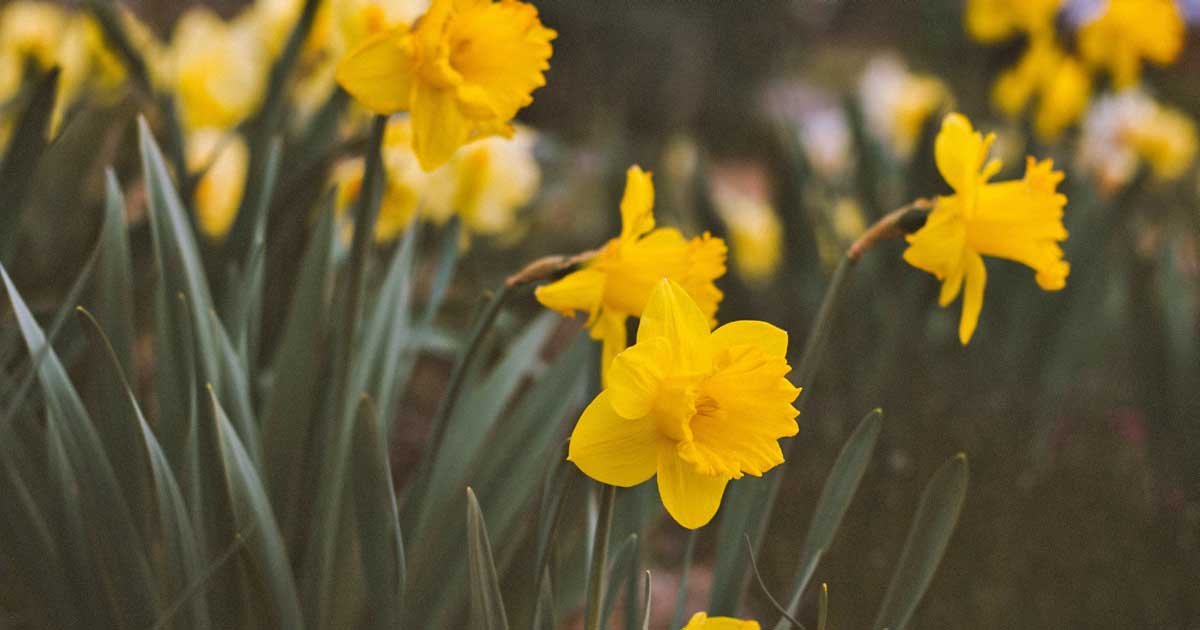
463,70
1124,130
741,200
896,103
218,69
223,159
1128,31
1019,220
701,621
695,408
617,283
1057,81
996,20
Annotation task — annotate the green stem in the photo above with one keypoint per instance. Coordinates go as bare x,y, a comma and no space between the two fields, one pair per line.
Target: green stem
599,573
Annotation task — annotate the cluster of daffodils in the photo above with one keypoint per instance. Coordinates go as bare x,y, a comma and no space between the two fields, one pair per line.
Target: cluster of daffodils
1113,39
1019,220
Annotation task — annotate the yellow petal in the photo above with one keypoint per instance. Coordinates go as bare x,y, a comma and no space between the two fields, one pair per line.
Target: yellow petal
691,499
976,278
672,314
610,329
634,377
611,449
379,73
960,152
701,621
768,338
439,127
951,286
577,291
637,216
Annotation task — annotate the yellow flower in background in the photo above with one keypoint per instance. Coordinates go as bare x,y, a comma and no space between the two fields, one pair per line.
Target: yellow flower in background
223,159
1019,220
701,621
1124,130
755,232
990,21
1058,82
694,408
218,69
896,103
32,31
463,70
616,284
1128,31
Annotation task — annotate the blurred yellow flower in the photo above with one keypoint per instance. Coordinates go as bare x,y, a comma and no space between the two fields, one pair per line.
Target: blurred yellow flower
223,159
755,232
990,21
32,30
617,283
896,103
1128,31
1019,220
1123,130
462,70
218,69
695,408
1057,81
701,621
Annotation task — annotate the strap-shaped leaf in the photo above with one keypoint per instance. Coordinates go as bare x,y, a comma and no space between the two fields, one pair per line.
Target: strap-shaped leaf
487,606
24,152
381,545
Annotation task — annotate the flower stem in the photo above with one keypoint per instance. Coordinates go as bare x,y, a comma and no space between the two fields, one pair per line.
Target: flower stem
598,577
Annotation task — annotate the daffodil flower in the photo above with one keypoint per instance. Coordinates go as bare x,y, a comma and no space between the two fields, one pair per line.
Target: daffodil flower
463,70
1128,31
696,408
1018,220
222,158
996,20
701,621
616,284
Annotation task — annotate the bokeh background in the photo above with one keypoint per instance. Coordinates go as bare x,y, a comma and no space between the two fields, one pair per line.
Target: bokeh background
1080,410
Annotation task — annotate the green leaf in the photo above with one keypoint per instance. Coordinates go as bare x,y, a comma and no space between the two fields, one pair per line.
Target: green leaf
646,592
381,544
618,568
487,606
836,495
293,405
932,525
246,319
252,510
96,493
25,150
182,562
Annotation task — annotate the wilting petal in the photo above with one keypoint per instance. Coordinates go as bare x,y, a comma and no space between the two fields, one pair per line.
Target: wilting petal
439,127
634,377
379,73
770,339
672,314
611,449
976,278
578,291
637,203
691,499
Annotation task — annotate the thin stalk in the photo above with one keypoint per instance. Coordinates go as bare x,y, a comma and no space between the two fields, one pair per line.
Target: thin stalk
599,573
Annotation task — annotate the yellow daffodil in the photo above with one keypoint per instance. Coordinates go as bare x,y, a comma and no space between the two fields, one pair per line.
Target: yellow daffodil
991,21
695,408
222,158
754,230
896,103
617,283
701,621
1126,129
218,69
1057,81
462,70
1018,220
32,31
1128,31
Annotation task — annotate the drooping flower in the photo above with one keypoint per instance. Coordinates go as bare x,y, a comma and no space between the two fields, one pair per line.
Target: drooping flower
896,103
701,621
1128,31
1047,75
463,70
694,408
1019,220
223,159
616,284
1126,129
218,69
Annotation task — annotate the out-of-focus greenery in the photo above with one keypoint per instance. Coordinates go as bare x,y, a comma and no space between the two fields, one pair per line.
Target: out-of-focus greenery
278,426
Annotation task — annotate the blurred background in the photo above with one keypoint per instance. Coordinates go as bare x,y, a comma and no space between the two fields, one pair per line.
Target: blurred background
1080,410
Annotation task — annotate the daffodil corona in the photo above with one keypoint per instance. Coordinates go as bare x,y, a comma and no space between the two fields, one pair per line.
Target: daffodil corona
1019,220
463,70
616,284
701,621
696,408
